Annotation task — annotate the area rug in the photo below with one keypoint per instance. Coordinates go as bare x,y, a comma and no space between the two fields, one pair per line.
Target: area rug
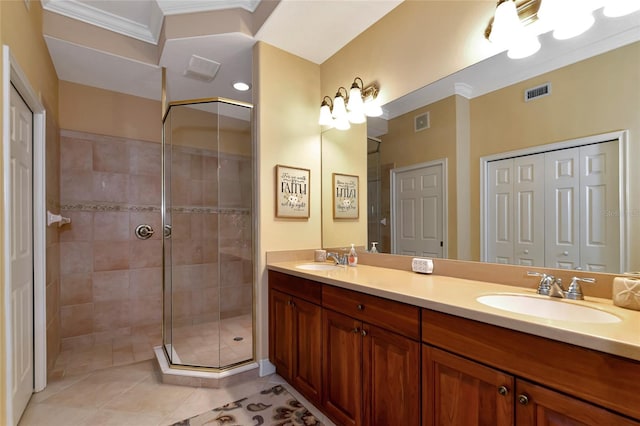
271,407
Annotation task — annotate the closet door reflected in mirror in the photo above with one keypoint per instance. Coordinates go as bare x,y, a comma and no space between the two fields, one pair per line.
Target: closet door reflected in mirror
555,209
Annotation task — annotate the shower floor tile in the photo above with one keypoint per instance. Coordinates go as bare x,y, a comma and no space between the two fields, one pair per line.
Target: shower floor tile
195,344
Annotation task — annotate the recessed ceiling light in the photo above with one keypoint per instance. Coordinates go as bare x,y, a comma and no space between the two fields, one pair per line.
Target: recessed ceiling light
241,86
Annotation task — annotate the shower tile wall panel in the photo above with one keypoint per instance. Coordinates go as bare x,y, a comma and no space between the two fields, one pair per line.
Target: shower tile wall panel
211,236
111,282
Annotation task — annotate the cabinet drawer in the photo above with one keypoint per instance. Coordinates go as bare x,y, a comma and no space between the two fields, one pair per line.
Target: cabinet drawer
389,314
308,290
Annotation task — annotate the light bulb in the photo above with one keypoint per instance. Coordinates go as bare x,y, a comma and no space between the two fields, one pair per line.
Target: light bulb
325,115
355,103
505,21
339,110
342,123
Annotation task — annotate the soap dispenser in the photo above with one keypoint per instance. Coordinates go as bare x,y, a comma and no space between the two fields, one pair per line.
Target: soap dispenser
353,256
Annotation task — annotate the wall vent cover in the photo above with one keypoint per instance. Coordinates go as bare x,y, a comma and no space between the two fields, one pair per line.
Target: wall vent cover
421,122
537,92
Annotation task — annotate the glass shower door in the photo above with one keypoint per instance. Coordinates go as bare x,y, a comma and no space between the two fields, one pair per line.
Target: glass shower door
209,254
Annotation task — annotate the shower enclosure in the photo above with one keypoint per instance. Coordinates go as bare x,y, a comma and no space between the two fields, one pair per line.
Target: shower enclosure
208,250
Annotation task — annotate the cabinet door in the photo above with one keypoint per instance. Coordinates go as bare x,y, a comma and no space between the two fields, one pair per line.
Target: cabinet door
539,406
342,368
281,333
391,370
459,392
307,352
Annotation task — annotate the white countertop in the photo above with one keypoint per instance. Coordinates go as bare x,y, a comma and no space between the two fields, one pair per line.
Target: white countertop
458,297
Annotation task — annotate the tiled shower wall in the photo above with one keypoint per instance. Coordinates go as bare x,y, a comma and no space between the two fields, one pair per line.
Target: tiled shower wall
211,236
111,282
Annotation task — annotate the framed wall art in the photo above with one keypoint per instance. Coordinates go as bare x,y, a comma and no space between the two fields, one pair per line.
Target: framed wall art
292,192
345,196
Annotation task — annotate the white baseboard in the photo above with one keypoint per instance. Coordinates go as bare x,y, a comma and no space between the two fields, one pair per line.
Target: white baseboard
266,367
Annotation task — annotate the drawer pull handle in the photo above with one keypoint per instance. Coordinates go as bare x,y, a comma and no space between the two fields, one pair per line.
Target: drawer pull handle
523,399
502,390
364,333
360,307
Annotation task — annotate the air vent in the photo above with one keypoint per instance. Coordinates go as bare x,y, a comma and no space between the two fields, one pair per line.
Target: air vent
537,92
201,68
421,122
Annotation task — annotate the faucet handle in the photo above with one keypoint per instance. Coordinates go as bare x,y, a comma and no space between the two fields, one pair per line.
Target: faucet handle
574,291
544,286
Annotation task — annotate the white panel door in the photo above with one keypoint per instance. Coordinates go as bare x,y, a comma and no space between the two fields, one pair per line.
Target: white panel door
562,208
599,216
21,251
528,205
500,213
419,205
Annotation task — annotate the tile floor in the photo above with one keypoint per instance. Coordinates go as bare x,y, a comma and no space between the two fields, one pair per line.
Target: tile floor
133,395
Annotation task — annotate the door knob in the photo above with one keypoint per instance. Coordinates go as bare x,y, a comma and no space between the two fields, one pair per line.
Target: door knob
523,399
503,390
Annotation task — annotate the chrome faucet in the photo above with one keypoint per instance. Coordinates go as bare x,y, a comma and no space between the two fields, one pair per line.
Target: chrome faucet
552,286
341,259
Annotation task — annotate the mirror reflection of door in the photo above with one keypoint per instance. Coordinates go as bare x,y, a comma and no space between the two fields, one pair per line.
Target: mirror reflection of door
418,203
555,208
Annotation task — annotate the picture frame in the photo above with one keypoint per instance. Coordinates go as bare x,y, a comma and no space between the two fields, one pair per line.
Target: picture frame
346,196
292,192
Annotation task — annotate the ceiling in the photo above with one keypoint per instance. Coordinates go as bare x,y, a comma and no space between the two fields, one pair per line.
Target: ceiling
142,21
134,39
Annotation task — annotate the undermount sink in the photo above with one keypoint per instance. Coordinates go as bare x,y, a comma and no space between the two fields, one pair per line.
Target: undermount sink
317,266
548,308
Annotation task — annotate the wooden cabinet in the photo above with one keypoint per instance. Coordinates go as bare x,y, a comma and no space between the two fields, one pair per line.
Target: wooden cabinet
460,392
371,375
295,338
366,360
342,368
540,406
575,386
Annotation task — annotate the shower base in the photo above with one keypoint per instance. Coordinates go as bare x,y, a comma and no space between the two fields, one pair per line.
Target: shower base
200,378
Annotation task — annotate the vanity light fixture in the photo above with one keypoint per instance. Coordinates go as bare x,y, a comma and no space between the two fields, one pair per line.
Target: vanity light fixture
350,107
508,31
568,18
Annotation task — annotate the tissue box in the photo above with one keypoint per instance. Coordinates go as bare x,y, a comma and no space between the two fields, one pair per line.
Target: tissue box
626,292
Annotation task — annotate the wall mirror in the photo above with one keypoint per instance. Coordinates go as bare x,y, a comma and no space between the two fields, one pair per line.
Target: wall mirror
594,92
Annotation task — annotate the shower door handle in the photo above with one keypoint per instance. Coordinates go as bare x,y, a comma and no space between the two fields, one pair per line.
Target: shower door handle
144,232
167,231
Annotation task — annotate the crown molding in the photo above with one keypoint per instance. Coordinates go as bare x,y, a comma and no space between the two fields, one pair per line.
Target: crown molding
94,16
174,7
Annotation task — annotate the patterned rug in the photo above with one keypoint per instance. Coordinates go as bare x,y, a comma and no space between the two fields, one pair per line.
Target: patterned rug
271,407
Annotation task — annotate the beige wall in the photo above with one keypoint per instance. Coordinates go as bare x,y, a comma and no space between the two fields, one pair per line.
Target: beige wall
415,44
20,29
288,134
402,146
344,152
103,112
598,95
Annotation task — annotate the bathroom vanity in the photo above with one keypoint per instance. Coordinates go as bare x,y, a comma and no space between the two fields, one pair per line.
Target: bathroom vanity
380,346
